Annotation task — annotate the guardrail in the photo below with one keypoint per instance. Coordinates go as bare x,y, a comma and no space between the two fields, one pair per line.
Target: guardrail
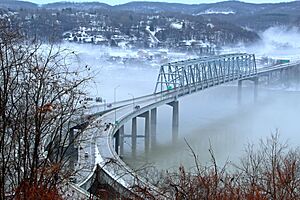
129,177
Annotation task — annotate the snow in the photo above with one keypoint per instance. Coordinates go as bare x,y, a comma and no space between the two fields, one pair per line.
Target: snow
88,39
100,38
152,35
176,25
211,12
123,44
210,25
151,32
98,157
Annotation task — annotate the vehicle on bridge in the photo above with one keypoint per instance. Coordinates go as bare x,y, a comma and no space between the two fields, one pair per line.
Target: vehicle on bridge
109,105
137,107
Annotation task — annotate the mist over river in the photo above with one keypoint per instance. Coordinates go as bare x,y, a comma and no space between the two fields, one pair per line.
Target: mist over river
209,117
213,118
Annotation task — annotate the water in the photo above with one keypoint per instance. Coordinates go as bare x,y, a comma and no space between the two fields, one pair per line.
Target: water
213,118
210,117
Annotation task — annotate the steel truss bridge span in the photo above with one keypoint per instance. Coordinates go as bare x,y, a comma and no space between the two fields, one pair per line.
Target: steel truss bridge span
175,80
206,71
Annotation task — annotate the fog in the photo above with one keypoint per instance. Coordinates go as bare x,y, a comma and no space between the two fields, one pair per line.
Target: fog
214,117
210,116
281,42
124,69
277,42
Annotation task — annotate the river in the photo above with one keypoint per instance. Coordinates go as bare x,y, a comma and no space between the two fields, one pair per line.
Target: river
213,119
208,118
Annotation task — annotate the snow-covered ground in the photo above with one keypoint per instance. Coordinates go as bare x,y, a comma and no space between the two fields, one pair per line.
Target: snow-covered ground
138,74
152,35
176,25
212,11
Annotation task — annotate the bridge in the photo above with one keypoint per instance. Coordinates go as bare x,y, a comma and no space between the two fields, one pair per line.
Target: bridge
102,137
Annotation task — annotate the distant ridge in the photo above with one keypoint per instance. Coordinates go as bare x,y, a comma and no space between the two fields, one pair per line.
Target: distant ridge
75,5
14,4
236,7
250,16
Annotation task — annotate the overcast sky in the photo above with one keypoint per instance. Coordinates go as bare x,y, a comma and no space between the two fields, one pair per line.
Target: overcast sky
115,2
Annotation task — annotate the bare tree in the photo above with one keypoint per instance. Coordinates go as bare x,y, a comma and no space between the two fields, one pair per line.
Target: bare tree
203,182
269,171
40,96
272,171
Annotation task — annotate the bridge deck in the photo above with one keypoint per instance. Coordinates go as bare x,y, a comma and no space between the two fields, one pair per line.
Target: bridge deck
98,139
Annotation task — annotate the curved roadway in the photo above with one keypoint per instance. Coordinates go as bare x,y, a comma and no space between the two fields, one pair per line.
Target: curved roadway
97,147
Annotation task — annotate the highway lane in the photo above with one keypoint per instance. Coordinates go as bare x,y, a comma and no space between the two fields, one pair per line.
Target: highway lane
97,146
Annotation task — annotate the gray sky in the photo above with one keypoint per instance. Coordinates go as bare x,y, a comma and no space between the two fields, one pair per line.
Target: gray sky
114,2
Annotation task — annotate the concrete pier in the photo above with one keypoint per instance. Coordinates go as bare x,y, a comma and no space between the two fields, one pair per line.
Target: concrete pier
255,80
121,138
93,148
117,141
255,93
240,85
133,136
175,120
146,115
153,121
297,75
72,159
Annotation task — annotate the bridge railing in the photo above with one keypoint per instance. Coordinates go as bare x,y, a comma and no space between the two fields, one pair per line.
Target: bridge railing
277,67
186,77
216,69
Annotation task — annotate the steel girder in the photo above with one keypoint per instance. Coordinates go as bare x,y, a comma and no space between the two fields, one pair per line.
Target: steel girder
195,74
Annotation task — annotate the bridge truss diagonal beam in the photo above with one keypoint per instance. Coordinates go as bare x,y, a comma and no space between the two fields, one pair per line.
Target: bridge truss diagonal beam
205,72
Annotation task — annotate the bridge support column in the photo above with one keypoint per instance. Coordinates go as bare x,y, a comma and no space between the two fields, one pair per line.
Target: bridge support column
72,149
297,75
240,85
289,75
134,136
147,132
117,141
153,127
175,120
284,77
272,77
255,80
121,138
286,73
146,115
93,148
